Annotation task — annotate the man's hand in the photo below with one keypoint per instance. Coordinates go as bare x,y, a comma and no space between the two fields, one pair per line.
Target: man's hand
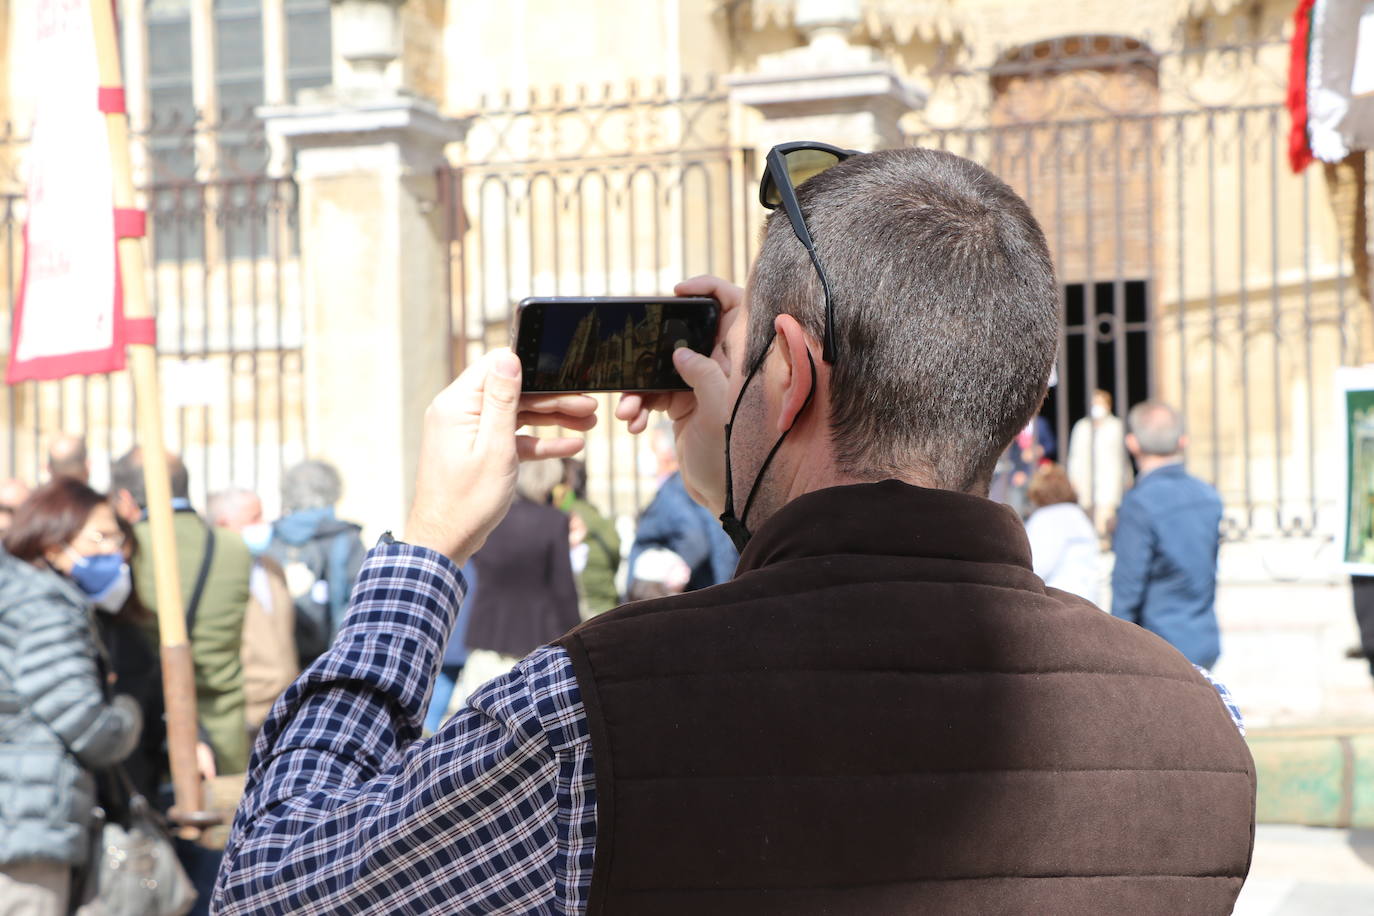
205,761
469,452
699,416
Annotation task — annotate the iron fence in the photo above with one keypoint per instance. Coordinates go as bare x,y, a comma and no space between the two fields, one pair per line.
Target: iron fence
1195,267
225,287
224,282
593,193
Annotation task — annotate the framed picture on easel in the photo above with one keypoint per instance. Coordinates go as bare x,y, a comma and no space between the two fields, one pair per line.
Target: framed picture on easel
1355,388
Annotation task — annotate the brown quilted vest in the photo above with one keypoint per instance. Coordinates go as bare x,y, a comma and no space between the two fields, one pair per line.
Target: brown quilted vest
887,712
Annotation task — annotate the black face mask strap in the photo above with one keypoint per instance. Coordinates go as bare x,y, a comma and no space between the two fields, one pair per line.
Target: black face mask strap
734,527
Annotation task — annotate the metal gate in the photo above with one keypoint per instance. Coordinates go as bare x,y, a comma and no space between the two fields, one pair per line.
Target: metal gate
613,193
1195,266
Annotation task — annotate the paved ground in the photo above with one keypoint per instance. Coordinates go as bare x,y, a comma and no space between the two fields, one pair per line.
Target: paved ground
1310,871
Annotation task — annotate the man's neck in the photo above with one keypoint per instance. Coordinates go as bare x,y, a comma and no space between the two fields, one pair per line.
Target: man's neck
819,472
1148,463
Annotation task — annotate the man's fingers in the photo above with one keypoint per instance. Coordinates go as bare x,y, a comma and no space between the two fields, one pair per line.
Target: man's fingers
531,448
634,409
701,372
463,395
573,405
568,421
500,396
629,406
726,293
639,423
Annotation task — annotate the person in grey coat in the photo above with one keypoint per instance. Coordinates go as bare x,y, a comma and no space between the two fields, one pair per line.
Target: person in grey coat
57,721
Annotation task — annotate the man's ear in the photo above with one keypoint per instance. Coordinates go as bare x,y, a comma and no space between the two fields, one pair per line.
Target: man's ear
795,350
1133,444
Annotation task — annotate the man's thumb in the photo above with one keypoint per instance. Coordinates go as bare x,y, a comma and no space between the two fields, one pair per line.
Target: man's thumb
702,373
501,395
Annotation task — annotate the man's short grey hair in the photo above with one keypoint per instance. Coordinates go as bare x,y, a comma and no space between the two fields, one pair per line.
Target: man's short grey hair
535,480
1157,428
223,504
311,484
946,311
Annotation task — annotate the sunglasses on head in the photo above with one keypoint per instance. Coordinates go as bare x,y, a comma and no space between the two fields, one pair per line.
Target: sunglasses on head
790,164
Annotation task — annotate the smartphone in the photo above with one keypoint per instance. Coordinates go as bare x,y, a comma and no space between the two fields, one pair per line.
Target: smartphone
610,343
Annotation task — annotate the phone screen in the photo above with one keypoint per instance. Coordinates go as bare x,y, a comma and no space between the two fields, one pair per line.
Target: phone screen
611,344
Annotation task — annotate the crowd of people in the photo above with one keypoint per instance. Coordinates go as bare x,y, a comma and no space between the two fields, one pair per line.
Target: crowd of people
262,600
1162,531
84,723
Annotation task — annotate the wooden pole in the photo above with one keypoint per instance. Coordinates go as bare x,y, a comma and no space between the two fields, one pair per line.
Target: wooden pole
178,678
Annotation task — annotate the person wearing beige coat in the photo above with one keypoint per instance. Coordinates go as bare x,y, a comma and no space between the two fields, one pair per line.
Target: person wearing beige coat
268,653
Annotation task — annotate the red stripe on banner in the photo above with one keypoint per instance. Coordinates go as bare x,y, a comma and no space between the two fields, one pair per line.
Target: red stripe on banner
1299,150
141,331
130,223
110,99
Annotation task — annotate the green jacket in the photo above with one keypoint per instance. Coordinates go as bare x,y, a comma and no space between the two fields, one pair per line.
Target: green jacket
218,632
597,581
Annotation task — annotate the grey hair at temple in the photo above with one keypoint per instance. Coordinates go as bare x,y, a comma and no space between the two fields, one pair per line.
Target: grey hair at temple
311,484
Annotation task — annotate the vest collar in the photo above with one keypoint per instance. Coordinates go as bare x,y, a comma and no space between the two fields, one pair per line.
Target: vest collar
890,518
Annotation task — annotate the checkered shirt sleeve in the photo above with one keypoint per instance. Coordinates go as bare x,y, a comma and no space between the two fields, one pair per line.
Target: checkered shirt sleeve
1226,698
346,810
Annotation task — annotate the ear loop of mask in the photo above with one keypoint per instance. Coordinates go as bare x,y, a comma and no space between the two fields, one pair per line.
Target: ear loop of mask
734,527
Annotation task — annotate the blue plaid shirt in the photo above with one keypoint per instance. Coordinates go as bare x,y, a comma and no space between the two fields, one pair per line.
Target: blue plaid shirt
347,811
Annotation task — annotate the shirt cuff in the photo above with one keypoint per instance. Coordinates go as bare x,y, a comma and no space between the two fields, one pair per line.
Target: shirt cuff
401,582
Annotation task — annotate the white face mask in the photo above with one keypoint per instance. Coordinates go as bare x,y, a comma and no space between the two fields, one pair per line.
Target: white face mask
258,537
1099,411
113,598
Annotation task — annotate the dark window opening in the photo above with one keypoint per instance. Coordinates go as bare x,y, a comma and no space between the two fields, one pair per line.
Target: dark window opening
1093,358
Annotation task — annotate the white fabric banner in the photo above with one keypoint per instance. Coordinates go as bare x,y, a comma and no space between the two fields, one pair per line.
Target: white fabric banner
1340,112
67,319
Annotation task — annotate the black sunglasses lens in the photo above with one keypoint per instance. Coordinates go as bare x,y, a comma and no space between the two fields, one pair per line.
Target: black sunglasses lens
808,163
801,165
770,197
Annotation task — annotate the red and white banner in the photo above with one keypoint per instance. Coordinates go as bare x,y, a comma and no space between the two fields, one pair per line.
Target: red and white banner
68,319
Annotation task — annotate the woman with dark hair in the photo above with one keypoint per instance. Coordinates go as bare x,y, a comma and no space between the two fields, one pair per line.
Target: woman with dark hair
137,671
58,722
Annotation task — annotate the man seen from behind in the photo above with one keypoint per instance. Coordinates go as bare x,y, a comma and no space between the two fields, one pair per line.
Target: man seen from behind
883,712
320,553
213,567
1166,540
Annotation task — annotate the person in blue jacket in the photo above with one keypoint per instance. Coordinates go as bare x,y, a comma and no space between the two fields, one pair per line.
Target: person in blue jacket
674,521
1166,540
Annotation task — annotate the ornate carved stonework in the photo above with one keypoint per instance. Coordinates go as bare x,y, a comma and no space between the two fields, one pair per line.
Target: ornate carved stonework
902,21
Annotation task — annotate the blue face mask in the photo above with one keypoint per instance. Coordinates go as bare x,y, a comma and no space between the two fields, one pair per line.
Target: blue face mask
103,577
258,537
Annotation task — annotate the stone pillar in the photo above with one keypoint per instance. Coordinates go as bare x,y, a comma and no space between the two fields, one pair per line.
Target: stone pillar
373,254
828,90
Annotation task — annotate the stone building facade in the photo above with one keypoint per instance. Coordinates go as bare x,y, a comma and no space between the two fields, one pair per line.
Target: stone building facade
404,172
